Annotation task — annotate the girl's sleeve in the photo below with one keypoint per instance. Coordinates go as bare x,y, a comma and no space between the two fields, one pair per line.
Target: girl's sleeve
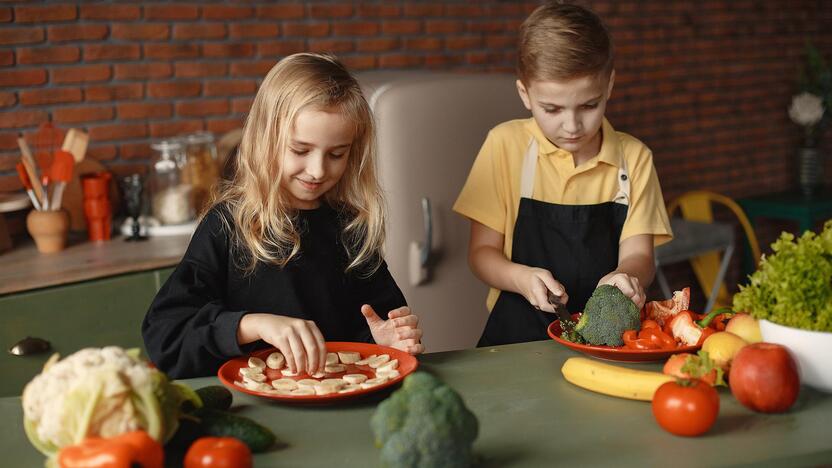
188,331
382,293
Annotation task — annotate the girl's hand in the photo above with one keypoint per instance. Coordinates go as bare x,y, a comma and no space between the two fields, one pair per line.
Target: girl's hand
300,341
628,284
535,283
400,330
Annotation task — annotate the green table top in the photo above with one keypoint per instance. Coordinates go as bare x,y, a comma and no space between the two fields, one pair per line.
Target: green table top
529,417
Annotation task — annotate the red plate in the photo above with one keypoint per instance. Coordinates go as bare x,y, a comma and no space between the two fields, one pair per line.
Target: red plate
230,372
620,353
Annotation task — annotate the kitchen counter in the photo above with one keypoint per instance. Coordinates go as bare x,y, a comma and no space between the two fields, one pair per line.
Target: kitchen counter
529,417
24,268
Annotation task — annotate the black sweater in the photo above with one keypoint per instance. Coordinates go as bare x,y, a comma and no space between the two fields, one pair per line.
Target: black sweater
191,327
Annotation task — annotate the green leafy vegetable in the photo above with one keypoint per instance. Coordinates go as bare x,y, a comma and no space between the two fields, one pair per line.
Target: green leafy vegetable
793,286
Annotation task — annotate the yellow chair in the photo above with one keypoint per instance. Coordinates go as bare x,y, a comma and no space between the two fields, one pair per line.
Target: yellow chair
696,206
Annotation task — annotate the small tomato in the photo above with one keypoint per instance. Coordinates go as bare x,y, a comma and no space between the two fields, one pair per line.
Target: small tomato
218,452
686,407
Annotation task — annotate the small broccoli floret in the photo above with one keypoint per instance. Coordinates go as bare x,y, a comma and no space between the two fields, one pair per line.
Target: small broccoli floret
607,315
424,424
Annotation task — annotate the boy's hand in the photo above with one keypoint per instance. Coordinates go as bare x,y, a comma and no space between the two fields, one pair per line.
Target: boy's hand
535,283
300,341
400,330
628,284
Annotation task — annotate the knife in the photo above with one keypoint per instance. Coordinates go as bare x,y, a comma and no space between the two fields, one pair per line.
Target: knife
560,310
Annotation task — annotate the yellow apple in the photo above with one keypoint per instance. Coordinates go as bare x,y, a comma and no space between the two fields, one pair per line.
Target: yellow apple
746,327
722,347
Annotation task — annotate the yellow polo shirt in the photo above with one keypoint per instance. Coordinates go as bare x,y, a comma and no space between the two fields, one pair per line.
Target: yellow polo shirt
491,195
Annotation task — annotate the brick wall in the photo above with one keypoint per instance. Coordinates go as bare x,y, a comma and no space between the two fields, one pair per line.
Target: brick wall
705,84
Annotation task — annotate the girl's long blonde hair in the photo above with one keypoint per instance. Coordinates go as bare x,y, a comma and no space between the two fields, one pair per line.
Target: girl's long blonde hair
265,225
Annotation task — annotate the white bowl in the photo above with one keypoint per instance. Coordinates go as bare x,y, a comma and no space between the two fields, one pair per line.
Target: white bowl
811,349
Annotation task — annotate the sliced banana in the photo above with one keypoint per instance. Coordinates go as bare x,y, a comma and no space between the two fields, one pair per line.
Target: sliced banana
303,391
388,374
331,358
258,386
287,373
249,371
276,360
258,378
319,375
335,368
287,384
378,360
324,389
335,382
350,388
390,365
280,391
366,360
349,357
354,379
370,383
256,362
308,382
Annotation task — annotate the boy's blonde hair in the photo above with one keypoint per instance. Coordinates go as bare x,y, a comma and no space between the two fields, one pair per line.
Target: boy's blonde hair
560,42
265,225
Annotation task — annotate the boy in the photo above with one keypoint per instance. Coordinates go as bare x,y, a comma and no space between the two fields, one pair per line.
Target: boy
560,202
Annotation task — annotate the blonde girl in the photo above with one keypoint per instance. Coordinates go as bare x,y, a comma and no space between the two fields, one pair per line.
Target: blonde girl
290,254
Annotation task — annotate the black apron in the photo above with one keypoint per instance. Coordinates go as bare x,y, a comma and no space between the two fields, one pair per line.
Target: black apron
577,243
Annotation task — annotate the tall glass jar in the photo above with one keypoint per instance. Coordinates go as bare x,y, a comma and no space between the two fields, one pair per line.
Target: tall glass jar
172,200
201,170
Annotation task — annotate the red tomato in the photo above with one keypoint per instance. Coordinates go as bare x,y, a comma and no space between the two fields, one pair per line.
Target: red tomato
648,324
764,378
218,452
686,407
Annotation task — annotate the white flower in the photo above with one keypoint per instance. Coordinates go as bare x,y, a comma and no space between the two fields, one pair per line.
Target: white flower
806,109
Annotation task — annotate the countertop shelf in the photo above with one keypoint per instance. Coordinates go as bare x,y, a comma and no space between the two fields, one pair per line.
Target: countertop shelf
24,268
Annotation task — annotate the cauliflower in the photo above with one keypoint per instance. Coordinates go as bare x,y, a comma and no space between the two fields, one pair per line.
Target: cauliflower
100,392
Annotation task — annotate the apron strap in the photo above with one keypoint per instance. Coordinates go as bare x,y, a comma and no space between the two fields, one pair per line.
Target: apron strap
529,167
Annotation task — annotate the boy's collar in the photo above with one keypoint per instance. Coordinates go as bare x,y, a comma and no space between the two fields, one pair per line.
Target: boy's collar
610,148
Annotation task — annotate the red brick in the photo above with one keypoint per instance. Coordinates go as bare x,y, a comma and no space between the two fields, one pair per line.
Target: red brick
360,62
171,51
220,126
399,61
281,48
111,52
101,152
135,151
337,10
424,9
82,74
43,14
5,14
77,32
117,132
22,118
241,105
141,31
306,29
286,11
54,54
202,107
466,11
22,77
71,115
257,68
33,97
380,44
200,69
7,99
110,12
444,26
253,30
199,31
443,60
467,42
171,11
503,10
401,26
6,58
423,43
174,89
11,36
500,41
226,12
362,28
141,71
120,92
487,26
178,127
144,110
379,11
8,141
229,49
331,45
230,87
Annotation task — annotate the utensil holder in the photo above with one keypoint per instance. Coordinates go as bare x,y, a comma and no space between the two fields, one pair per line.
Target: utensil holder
48,229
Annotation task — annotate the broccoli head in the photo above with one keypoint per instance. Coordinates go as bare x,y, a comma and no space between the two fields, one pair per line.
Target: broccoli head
607,315
424,424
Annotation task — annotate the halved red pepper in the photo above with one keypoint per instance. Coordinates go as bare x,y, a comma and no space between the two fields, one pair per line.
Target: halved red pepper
128,450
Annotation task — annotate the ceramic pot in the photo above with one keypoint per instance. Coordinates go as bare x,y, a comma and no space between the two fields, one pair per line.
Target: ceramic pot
48,229
811,350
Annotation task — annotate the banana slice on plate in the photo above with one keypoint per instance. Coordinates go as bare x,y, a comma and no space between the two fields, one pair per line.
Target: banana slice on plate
287,373
389,365
379,360
276,361
354,379
331,358
366,360
370,383
256,362
389,374
308,382
284,384
349,357
335,368
303,391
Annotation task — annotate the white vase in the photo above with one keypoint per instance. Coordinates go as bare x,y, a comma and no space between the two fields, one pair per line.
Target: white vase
811,349
810,170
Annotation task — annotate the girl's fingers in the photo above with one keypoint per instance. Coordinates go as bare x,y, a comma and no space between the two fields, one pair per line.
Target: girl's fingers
409,333
319,338
311,348
400,312
406,321
298,352
283,346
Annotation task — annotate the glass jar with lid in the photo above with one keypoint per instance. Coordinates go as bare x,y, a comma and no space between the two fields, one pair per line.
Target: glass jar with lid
201,170
171,195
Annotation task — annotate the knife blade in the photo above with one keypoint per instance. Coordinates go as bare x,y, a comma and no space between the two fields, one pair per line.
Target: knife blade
561,311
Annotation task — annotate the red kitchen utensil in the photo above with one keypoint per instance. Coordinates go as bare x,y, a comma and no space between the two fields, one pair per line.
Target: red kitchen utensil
24,179
32,171
61,173
45,141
